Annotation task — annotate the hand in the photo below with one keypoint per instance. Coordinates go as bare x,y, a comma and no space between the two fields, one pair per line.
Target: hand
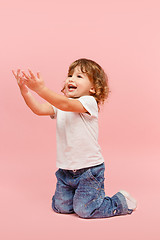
34,83
20,82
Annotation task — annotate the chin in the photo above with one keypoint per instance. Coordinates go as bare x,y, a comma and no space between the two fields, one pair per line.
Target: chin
71,96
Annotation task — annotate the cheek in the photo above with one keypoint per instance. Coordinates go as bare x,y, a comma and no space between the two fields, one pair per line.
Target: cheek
64,88
65,84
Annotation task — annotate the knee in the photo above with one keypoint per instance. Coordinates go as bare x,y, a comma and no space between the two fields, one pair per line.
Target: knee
60,207
55,208
81,210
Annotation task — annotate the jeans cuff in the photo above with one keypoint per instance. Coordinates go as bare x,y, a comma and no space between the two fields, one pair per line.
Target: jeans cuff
122,204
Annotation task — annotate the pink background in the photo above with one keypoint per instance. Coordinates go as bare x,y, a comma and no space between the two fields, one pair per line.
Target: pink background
47,36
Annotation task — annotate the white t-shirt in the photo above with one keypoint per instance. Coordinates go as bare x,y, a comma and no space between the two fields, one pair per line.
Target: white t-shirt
77,136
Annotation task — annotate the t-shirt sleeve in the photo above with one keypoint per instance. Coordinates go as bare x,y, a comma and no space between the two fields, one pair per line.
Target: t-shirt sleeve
90,104
54,116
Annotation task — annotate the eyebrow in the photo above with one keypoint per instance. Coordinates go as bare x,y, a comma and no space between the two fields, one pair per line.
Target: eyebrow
79,73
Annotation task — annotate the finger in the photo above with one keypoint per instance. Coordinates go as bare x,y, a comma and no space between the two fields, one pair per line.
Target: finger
18,72
38,74
20,81
17,78
14,73
24,80
32,75
27,77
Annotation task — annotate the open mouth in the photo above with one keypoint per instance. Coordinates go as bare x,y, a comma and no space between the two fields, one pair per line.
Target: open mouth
71,87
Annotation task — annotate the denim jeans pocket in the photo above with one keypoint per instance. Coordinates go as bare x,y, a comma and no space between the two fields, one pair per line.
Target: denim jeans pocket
59,173
97,174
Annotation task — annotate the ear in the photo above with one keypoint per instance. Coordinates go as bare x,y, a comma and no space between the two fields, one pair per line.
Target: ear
92,90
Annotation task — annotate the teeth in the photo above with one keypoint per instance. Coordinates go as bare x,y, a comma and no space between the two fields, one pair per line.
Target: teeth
71,86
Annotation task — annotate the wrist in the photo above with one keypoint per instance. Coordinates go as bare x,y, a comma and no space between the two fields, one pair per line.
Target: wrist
41,90
24,93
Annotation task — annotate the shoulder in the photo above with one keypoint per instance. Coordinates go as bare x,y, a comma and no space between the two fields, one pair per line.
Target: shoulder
90,104
89,99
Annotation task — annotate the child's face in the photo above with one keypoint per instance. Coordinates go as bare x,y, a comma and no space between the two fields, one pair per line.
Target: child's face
78,84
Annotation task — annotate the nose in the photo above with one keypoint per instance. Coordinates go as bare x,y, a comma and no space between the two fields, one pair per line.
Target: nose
71,79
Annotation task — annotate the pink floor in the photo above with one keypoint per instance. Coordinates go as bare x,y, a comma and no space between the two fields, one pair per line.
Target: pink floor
26,193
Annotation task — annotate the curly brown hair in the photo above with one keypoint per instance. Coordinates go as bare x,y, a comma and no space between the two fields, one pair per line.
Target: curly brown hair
96,75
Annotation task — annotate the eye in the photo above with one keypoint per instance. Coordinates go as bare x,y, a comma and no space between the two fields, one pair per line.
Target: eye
77,76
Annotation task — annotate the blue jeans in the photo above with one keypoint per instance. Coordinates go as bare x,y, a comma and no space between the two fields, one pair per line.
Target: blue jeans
82,192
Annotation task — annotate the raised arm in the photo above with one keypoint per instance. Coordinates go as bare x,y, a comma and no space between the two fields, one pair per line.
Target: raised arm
32,103
59,101
36,107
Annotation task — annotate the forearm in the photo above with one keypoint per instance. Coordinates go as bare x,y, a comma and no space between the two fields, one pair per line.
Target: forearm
37,85
31,102
59,101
